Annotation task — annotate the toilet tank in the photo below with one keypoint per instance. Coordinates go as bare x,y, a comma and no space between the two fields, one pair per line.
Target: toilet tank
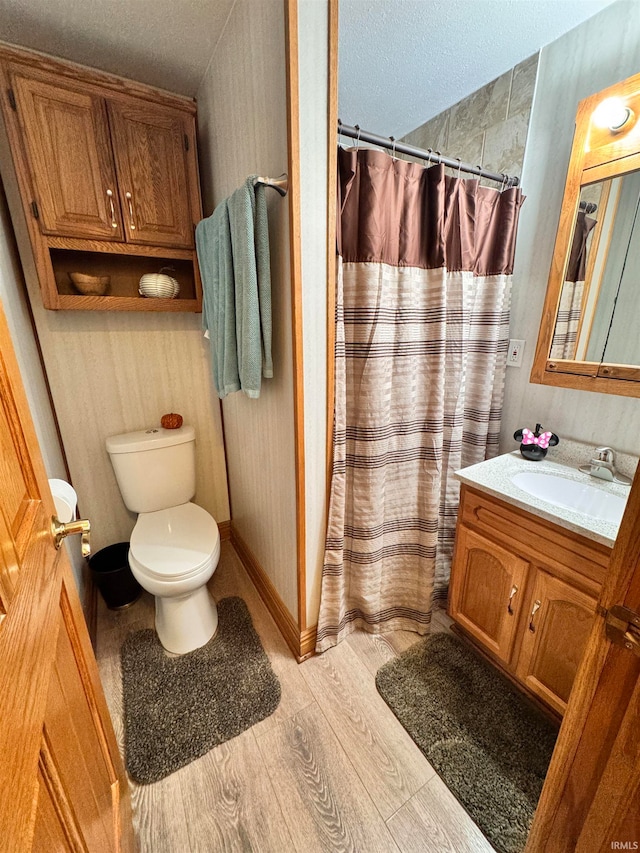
155,468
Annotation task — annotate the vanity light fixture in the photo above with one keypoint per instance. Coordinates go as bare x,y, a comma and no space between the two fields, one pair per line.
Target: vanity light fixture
613,114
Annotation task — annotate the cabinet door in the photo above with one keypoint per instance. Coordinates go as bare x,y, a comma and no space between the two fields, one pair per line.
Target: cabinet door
150,149
487,583
558,623
67,142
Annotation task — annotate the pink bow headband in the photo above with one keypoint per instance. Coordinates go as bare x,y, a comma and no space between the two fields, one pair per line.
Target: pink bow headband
541,440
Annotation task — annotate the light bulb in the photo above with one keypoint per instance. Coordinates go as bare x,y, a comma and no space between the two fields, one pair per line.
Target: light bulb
611,114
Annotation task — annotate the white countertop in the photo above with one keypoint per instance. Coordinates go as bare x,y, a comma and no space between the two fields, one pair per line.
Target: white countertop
494,477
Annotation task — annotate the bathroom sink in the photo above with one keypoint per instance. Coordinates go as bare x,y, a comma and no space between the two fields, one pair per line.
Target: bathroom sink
579,497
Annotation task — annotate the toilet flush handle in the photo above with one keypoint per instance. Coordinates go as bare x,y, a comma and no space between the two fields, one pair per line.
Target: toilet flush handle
60,531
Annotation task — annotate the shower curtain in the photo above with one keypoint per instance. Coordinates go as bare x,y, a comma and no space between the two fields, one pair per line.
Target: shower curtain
565,334
422,325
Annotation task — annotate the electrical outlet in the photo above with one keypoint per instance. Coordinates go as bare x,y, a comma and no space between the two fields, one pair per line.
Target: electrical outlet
514,356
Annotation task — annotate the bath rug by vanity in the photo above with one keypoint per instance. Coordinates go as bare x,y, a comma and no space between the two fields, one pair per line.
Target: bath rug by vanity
487,742
178,708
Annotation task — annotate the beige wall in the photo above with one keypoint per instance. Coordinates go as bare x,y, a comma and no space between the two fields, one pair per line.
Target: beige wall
489,126
15,305
16,309
313,69
112,372
597,54
242,118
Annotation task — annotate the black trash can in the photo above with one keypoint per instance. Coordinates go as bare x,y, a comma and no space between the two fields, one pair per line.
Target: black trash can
111,572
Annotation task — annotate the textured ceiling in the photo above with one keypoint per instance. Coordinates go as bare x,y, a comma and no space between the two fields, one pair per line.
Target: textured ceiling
166,43
404,61
401,61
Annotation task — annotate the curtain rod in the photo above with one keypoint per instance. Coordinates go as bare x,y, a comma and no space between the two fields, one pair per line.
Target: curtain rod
390,143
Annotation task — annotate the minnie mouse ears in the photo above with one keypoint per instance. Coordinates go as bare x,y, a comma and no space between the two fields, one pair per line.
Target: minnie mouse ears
534,445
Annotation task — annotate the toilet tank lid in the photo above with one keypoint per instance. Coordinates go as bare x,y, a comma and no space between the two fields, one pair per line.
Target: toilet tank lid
149,439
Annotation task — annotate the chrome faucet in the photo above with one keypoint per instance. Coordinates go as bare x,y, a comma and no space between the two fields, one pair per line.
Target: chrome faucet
602,466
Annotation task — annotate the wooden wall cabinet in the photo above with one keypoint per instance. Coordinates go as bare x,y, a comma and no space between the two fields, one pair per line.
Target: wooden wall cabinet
66,139
525,591
108,176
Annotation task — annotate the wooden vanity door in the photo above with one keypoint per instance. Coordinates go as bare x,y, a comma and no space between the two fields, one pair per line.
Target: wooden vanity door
61,777
554,638
66,137
485,596
150,150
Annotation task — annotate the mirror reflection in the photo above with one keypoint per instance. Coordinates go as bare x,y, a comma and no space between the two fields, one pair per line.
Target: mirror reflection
599,311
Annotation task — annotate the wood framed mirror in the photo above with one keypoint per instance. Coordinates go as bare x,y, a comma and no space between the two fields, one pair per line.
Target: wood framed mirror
589,336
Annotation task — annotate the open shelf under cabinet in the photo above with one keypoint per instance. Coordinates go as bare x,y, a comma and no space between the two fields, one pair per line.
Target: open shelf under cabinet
125,271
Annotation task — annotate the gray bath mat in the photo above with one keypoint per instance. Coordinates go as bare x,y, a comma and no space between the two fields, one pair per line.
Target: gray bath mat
177,709
488,744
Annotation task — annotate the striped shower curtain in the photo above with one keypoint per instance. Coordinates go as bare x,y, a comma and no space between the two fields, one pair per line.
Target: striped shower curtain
565,335
422,326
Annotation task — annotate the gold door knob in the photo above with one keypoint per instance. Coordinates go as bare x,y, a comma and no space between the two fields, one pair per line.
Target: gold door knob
60,531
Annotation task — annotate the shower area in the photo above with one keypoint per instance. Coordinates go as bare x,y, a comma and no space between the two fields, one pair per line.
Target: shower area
426,227
422,324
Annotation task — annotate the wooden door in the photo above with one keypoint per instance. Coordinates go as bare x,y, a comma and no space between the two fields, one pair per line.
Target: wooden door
150,149
590,802
66,137
487,584
62,781
558,621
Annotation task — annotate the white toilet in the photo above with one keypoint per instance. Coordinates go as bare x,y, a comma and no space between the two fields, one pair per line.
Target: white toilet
175,545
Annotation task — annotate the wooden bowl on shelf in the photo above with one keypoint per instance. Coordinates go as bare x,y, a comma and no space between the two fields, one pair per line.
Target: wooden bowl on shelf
90,285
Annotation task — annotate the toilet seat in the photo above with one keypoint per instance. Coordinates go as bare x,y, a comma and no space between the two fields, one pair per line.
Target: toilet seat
174,543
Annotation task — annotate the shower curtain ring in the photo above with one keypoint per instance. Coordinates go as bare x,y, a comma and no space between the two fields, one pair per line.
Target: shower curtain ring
504,182
430,153
357,127
439,158
393,147
459,166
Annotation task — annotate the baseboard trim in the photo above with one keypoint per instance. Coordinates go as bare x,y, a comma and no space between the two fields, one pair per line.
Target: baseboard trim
308,643
225,530
269,594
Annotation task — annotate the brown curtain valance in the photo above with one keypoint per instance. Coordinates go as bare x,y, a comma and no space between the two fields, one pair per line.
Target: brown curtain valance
403,214
576,268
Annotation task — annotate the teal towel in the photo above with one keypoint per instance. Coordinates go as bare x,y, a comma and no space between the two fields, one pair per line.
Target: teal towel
213,243
233,252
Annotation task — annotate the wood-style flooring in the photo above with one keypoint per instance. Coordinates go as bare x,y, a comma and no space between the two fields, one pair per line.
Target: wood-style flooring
331,770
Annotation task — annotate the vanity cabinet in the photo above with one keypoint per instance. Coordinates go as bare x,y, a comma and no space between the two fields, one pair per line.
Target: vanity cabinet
557,621
107,174
487,576
525,590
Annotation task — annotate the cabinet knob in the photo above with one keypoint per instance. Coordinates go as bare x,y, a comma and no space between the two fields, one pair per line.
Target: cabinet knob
129,198
534,610
114,223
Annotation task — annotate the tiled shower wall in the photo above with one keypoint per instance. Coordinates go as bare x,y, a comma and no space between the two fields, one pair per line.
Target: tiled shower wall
488,127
